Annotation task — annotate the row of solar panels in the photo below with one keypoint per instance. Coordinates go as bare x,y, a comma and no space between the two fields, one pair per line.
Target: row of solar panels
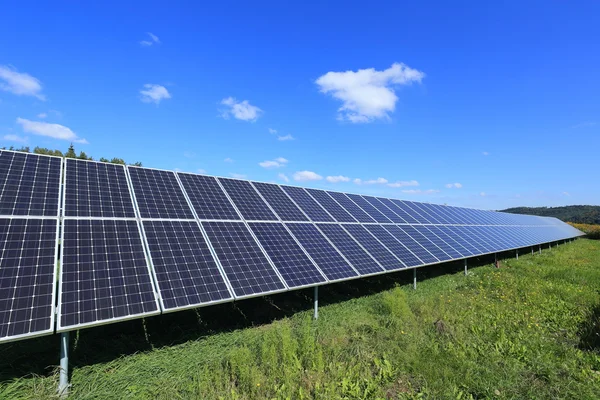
138,241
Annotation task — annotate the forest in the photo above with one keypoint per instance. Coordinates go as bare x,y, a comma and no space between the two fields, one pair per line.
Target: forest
576,214
70,153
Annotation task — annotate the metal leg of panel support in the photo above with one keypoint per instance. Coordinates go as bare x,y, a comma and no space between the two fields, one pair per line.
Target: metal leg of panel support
496,260
517,251
316,314
540,249
415,279
532,251
63,382
465,267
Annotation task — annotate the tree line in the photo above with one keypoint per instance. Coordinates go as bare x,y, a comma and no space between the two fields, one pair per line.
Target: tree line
70,153
576,214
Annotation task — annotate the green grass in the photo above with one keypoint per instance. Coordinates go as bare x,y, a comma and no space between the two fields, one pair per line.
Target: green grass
527,330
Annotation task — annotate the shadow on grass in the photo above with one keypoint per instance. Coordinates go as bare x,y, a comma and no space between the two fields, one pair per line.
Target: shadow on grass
589,331
106,343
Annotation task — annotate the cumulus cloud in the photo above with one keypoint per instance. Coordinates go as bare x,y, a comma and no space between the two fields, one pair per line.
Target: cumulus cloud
153,39
453,185
241,110
55,131
276,163
485,153
272,131
419,191
237,176
42,115
15,138
20,83
378,181
201,171
283,177
229,160
367,94
285,138
399,184
152,93
337,178
306,176
584,125
566,194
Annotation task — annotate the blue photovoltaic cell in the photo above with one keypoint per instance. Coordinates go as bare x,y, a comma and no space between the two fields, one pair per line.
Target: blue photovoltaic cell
450,240
490,234
247,268
280,202
310,207
447,213
460,217
105,273
158,194
207,197
460,239
425,242
351,207
402,252
369,208
463,236
374,247
247,200
289,259
95,189
29,184
389,214
415,247
359,258
443,246
479,239
27,264
412,213
398,210
426,214
322,252
331,206
433,212
186,272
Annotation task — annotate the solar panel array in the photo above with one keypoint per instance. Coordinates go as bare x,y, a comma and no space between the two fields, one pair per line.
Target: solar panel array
139,241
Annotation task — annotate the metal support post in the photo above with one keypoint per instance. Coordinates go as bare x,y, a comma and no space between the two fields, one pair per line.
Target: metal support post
531,250
517,251
63,382
415,278
496,260
465,266
316,315
540,249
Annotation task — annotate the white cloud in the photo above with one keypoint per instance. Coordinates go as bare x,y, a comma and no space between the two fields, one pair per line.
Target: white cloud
485,153
272,131
153,40
378,181
482,194
20,83
284,138
357,181
338,178
566,194
367,94
283,177
242,110
584,125
453,185
419,191
42,115
55,131
201,171
15,138
399,184
153,93
307,176
276,163
237,176
229,160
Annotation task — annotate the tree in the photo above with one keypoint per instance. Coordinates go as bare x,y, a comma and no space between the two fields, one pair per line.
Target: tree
102,159
137,164
71,152
83,156
116,160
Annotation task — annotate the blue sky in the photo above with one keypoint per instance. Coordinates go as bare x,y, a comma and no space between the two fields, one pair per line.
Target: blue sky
465,103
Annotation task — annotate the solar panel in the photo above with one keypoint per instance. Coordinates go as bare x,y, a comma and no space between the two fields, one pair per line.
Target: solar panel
207,197
433,213
351,207
247,268
247,200
158,194
385,258
105,275
350,249
29,184
389,214
329,260
398,211
424,241
440,243
479,239
464,238
437,230
332,207
415,247
370,209
425,215
27,277
186,272
407,210
290,260
402,252
310,207
280,202
460,239
95,189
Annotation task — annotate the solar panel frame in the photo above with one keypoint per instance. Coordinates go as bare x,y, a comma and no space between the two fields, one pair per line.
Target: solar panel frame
369,208
402,252
418,208
400,212
433,249
282,211
384,209
333,208
351,207
311,207
419,250
410,211
249,204
226,211
370,243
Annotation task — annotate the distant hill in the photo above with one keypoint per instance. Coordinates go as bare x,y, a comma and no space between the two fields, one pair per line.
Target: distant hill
576,214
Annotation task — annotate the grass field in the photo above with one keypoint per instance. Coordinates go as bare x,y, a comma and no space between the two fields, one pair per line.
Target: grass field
530,329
